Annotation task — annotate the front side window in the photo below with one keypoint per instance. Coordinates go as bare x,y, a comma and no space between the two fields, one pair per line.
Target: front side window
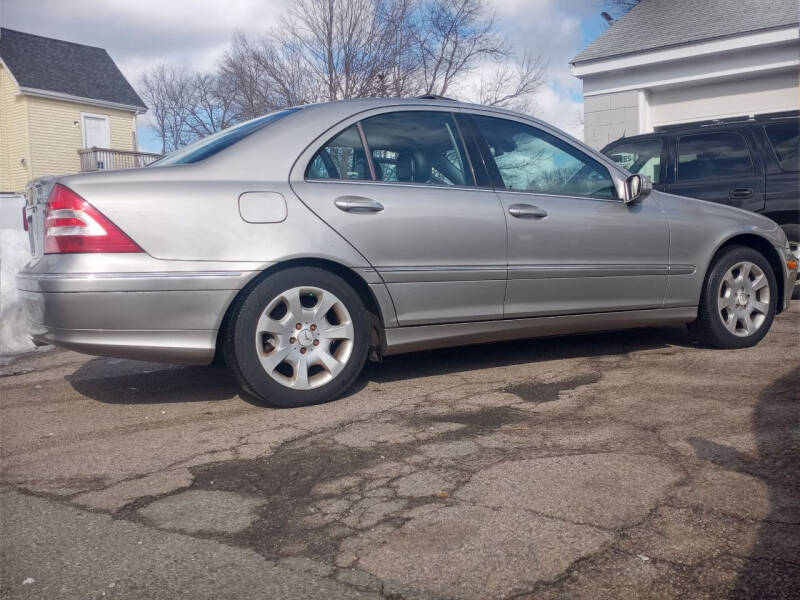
343,157
638,156
532,160
784,139
710,155
417,147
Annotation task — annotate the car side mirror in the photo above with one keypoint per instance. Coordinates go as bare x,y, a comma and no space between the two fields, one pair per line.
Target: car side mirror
637,187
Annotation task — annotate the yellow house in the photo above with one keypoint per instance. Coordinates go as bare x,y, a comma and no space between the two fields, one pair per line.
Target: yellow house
64,108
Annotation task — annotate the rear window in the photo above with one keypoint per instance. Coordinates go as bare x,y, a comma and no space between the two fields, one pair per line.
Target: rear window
216,142
784,140
710,155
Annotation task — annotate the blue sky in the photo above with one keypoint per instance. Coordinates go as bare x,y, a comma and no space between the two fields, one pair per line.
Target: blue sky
143,33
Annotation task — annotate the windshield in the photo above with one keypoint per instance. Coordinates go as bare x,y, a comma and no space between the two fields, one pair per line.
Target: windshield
638,156
208,146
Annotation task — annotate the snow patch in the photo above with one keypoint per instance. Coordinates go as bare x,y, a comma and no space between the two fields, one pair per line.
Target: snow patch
14,253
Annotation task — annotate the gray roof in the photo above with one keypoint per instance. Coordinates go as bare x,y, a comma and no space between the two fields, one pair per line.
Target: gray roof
65,67
658,23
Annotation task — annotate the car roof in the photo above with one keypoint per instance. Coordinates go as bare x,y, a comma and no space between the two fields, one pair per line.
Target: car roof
712,125
356,105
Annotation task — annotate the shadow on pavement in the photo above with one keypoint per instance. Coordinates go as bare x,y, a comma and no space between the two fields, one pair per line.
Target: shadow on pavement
776,425
117,381
500,354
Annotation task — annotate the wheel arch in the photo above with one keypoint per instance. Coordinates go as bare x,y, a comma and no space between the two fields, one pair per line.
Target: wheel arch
356,281
761,245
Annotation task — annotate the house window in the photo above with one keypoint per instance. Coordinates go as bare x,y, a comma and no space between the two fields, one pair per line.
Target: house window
95,131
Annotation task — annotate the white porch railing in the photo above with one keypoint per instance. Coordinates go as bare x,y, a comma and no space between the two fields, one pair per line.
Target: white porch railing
106,159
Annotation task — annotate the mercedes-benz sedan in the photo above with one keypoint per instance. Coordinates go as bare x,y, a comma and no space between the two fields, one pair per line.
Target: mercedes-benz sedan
300,243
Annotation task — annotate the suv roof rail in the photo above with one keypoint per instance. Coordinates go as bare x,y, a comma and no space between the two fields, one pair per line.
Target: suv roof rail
788,114
434,97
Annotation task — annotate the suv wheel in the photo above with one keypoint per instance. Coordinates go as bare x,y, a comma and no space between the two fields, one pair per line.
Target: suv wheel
738,301
299,337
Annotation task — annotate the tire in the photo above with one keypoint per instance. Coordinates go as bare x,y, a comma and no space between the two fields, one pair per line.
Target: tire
268,354
792,231
720,302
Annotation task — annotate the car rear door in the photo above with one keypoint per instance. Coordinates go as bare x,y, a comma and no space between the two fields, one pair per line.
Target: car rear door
573,246
400,187
718,165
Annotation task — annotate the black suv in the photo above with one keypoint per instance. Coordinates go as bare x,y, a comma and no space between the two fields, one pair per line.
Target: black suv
751,163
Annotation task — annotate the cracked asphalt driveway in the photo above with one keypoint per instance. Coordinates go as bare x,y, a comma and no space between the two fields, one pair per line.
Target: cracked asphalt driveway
622,465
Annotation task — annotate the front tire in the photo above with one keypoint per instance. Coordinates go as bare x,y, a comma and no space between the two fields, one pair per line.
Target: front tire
738,301
299,337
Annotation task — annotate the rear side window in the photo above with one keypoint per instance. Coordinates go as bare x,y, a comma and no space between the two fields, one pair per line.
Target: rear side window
533,160
217,142
638,156
417,147
343,157
710,155
784,140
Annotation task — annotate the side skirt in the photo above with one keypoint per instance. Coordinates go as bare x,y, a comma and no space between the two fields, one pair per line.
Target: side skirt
426,337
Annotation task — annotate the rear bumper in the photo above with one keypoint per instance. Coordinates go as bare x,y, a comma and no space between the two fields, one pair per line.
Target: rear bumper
162,316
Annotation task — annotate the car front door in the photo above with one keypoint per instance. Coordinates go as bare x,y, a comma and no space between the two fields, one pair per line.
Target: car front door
400,187
718,166
573,246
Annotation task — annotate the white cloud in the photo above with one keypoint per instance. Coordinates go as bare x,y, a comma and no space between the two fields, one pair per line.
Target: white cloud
142,33
557,108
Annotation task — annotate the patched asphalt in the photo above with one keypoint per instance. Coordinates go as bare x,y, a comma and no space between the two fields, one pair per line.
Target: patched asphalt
618,465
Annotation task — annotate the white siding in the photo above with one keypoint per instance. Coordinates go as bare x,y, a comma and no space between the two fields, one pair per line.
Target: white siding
607,117
774,92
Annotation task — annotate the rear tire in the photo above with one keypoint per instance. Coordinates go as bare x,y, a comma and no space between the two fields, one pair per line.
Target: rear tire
792,231
738,300
284,365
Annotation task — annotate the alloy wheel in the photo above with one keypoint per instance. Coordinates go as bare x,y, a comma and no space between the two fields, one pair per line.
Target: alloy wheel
743,299
304,337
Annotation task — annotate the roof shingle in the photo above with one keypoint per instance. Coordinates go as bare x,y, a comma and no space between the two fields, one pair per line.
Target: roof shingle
65,67
655,24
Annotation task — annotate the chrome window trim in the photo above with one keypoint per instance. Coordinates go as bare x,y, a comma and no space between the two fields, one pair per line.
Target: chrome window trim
463,188
541,195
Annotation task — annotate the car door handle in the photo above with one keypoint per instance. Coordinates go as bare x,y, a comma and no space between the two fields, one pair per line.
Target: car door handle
357,204
527,211
742,192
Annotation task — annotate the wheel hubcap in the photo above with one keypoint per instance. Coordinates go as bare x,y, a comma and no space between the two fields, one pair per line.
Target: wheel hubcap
304,337
743,299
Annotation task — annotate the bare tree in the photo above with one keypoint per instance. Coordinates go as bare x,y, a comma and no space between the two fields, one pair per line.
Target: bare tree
513,83
334,49
212,104
620,7
167,89
453,36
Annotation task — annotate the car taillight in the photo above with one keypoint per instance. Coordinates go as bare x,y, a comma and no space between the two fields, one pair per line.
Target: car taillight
73,225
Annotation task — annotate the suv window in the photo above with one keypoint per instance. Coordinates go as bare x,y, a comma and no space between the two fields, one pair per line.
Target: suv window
533,160
709,155
343,157
418,147
638,156
784,140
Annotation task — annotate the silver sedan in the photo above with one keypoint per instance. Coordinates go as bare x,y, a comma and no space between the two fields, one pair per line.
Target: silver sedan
299,244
